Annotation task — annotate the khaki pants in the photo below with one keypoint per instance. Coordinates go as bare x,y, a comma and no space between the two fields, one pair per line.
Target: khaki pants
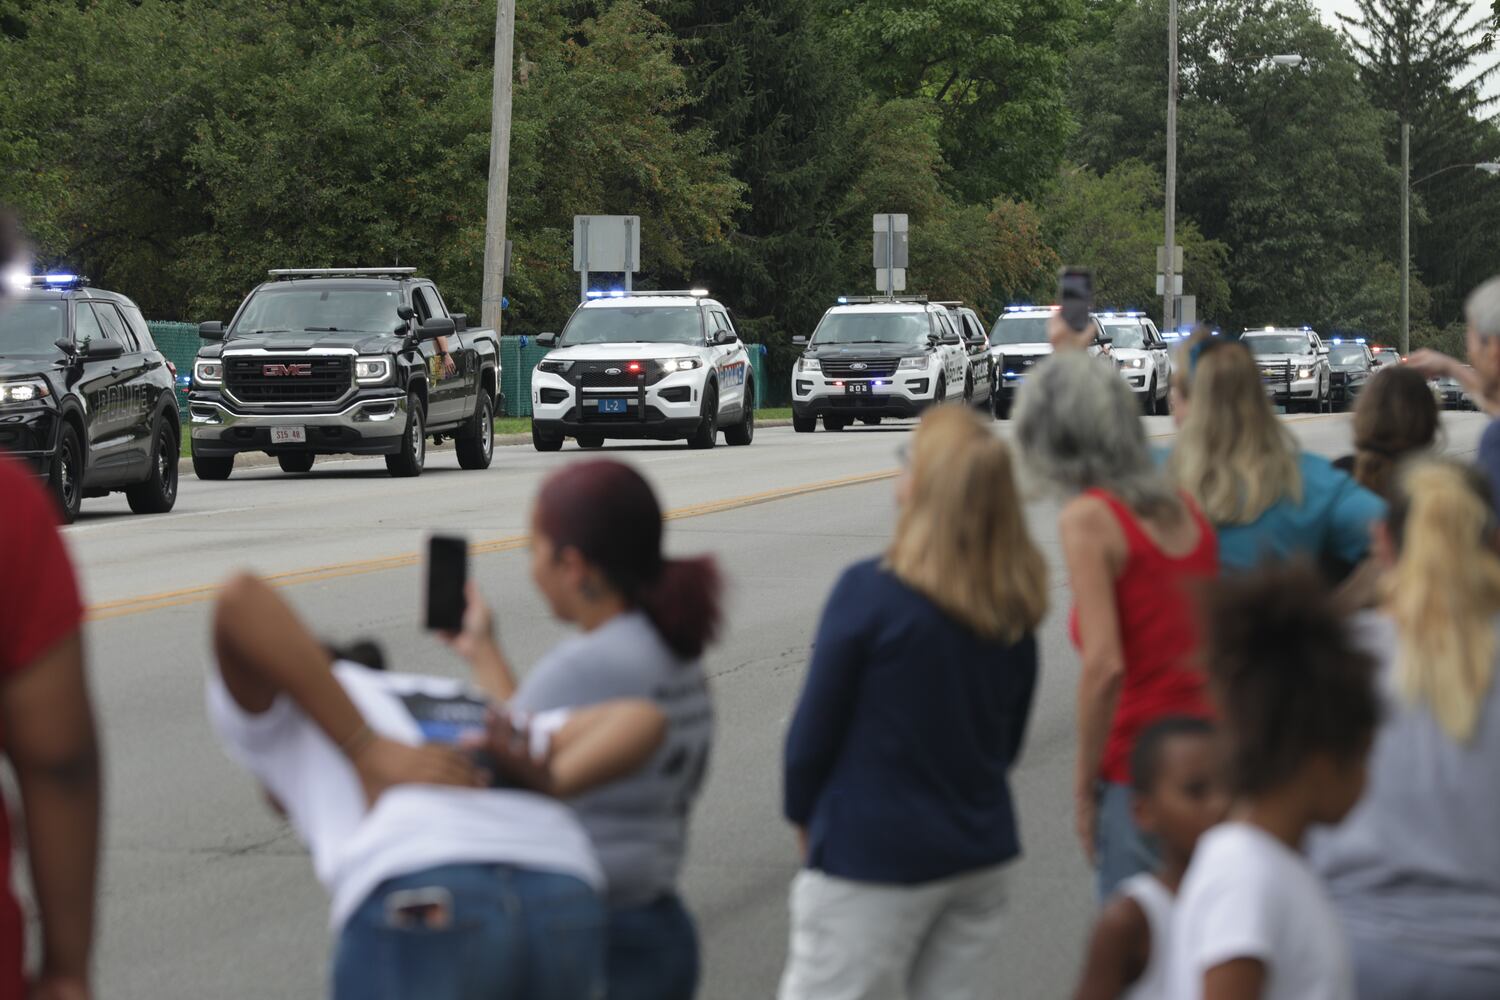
871,941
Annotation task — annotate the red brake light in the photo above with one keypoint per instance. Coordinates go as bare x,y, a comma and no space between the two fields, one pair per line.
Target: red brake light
633,367
172,368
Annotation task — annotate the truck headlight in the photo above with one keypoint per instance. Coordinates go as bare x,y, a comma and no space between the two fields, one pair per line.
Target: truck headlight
23,391
209,372
919,363
1304,373
680,365
810,365
554,367
371,370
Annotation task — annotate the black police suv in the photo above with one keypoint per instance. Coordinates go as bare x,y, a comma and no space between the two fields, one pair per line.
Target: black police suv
1351,365
344,361
85,396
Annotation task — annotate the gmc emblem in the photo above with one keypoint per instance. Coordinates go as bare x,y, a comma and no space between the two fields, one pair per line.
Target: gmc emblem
276,371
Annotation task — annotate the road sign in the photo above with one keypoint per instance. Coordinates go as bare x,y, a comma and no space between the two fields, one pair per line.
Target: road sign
891,244
1187,310
1161,283
883,281
1161,260
608,243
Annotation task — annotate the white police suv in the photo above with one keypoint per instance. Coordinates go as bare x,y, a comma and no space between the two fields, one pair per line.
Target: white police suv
1141,355
875,358
1018,341
658,366
1293,366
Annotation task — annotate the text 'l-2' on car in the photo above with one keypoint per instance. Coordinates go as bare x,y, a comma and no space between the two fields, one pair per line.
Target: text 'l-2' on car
653,366
872,358
343,361
86,398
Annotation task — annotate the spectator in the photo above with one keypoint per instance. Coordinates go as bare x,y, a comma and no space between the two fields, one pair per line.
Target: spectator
1174,774
1415,870
48,738
1482,380
1396,417
645,622
913,714
1266,497
442,893
1299,711
1135,549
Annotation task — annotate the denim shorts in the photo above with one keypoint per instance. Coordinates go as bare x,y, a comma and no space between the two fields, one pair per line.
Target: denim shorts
1120,849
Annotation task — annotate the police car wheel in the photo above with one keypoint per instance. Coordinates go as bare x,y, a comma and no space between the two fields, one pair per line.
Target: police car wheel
743,433
66,481
831,423
158,493
542,441
707,434
295,461
591,441
870,421
804,425
1149,400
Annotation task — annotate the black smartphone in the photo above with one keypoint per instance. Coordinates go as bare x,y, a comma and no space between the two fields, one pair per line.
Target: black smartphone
447,573
1075,296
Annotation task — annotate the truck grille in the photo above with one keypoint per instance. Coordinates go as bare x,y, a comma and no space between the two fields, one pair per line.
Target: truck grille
614,374
282,379
843,368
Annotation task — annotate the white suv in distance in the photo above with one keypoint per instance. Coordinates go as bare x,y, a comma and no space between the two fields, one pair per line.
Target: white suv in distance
875,358
1293,366
658,366
1142,356
1018,341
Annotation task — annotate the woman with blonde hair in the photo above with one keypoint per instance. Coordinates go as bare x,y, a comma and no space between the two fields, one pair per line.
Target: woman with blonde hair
1136,550
1266,498
1415,869
912,716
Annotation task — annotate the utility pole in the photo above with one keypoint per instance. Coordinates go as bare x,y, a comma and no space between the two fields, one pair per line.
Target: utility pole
494,220
1405,239
1169,286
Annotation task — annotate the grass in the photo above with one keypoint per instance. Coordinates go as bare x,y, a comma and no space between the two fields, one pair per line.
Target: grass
522,425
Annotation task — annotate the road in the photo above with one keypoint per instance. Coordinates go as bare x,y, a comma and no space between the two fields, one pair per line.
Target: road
207,895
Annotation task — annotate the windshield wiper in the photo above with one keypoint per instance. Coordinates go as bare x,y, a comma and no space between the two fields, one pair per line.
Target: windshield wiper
324,329
252,333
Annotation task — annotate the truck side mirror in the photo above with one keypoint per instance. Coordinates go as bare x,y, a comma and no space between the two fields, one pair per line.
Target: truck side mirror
211,331
437,326
546,340
460,321
799,341
405,312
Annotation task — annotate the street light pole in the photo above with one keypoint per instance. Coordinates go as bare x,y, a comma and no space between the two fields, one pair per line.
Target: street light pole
1169,276
1405,239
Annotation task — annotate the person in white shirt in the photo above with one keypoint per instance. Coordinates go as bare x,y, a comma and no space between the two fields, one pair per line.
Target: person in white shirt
448,881
1177,796
1299,713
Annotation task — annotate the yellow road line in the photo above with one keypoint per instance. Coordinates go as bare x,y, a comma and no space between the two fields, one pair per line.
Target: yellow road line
317,574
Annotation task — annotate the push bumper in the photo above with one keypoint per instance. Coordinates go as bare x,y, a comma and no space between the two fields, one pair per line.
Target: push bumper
668,410
815,396
370,426
1282,391
31,436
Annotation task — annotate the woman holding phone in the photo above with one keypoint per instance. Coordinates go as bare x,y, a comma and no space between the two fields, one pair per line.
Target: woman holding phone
644,621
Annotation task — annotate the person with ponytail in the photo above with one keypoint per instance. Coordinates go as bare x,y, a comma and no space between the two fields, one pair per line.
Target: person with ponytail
1415,870
897,763
1396,417
644,621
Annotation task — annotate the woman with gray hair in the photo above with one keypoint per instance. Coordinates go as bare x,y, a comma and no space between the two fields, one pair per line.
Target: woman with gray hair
1135,549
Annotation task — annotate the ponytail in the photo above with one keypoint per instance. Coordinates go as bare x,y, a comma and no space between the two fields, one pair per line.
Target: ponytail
1445,592
683,604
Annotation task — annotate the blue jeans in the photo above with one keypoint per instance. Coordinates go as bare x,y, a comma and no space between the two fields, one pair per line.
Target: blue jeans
474,932
1120,850
653,952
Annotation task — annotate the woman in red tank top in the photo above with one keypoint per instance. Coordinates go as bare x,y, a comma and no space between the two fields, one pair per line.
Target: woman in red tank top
1137,551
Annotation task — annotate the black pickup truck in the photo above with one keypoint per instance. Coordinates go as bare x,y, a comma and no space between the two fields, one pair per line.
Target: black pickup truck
355,361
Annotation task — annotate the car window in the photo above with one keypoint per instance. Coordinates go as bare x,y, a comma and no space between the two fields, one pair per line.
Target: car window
1347,354
33,327
911,328
114,326
947,322
1273,344
295,307
1128,334
635,325
435,307
1013,329
86,324
137,324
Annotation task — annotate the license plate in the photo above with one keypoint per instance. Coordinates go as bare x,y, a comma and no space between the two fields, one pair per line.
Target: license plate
614,406
857,388
289,435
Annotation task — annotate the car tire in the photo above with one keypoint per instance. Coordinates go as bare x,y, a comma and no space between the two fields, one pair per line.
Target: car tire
804,425
408,462
1002,408
66,480
1148,401
707,434
831,423
590,441
295,461
870,421
542,441
476,443
158,494
213,468
743,433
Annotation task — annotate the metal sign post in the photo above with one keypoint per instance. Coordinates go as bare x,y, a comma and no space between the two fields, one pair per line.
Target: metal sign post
892,251
607,243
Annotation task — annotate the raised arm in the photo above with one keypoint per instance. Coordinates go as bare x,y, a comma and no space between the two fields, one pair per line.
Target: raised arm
477,644
265,651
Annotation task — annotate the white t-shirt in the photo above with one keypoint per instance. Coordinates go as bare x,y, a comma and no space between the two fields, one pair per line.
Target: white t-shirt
1248,895
1156,902
411,827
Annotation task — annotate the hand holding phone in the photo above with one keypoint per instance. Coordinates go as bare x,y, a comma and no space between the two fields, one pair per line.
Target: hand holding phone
447,575
1075,296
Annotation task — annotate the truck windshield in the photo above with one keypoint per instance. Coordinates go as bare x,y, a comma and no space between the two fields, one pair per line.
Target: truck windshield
633,325
294,308
29,328
872,328
1019,330
1267,344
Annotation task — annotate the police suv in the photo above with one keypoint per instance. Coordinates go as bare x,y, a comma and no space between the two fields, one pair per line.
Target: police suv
1018,341
658,366
1141,355
872,358
1293,365
85,396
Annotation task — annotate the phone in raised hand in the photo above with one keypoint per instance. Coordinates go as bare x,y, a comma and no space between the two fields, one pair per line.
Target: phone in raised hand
447,573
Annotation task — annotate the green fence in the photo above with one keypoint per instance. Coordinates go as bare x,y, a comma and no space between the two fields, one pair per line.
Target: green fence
519,356
180,343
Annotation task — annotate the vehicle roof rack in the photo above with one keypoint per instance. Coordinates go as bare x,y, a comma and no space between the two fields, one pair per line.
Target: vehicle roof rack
293,273
875,300
621,293
59,281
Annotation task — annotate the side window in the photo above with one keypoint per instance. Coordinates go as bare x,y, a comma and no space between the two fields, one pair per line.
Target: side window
137,324
114,326
724,324
419,305
86,324
947,323
435,305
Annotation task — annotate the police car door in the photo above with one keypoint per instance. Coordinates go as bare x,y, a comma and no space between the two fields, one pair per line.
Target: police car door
955,357
105,390
1161,358
725,345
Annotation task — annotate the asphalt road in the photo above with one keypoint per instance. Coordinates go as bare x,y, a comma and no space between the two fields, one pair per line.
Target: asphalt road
207,895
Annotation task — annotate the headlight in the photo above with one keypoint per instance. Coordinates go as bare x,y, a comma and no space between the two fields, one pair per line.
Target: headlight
28,391
1304,373
554,367
810,365
680,365
372,369
919,362
208,372
1136,363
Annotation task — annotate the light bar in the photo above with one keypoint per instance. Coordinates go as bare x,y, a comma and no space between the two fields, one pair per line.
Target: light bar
56,281
338,272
